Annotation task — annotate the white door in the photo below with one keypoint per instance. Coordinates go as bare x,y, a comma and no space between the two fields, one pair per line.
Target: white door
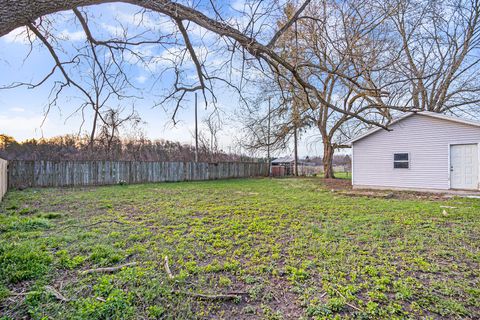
464,166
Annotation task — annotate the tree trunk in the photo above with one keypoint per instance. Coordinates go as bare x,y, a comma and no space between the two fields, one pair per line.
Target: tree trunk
328,160
268,140
295,152
94,127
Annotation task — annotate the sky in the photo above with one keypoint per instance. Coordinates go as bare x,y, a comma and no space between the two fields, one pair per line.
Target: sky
23,111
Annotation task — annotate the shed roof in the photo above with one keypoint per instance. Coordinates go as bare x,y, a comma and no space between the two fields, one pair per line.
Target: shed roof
422,113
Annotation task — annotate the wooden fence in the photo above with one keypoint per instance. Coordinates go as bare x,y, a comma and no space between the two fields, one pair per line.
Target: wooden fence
3,178
23,174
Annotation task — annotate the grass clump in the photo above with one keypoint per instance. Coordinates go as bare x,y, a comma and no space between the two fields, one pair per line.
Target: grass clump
29,224
23,261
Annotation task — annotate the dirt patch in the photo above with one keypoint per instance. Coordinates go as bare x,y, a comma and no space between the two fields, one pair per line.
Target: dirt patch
338,184
344,187
399,195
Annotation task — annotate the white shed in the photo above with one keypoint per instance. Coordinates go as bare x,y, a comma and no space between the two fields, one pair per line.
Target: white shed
424,151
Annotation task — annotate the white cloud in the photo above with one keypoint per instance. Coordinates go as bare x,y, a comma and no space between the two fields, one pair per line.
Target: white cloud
238,5
17,109
116,31
21,127
141,79
175,55
19,35
158,23
199,32
73,36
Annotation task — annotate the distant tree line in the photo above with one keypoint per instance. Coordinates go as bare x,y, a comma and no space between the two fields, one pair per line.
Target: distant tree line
338,160
71,147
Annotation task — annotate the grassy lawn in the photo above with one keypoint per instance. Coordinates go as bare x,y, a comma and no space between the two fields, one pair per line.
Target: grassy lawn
288,248
343,175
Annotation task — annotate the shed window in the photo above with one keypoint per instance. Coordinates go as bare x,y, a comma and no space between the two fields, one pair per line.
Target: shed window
401,161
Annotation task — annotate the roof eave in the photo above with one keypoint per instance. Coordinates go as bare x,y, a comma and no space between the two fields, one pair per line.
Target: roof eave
422,113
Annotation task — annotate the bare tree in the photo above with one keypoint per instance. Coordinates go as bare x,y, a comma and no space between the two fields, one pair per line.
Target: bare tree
113,121
438,44
267,124
213,123
243,40
346,37
95,73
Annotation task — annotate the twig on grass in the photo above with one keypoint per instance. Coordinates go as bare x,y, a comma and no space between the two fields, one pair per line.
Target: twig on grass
56,294
18,294
108,269
348,304
167,268
228,296
48,289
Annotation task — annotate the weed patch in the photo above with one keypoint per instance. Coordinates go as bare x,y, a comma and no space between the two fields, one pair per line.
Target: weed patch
24,261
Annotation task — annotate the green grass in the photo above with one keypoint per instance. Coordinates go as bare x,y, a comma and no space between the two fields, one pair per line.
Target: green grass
293,249
343,175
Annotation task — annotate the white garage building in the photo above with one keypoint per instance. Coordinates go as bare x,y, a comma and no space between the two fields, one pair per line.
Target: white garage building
424,151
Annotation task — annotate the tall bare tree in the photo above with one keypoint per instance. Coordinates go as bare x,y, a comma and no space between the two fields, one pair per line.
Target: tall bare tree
246,39
346,37
438,59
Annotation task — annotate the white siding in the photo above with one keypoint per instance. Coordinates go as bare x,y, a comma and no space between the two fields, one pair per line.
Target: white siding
427,141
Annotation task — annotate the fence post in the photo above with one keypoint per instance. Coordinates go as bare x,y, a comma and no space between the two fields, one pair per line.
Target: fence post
3,177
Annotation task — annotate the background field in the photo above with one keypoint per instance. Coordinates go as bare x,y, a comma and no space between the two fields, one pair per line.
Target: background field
288,248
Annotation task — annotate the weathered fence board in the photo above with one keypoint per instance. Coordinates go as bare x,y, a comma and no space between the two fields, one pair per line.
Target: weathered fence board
23,174
3,178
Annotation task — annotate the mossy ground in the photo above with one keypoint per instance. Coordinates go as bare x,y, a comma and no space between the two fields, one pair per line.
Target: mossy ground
296,249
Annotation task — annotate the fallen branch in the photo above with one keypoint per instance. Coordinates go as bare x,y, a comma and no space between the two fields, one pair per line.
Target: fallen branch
21,294
348,304
167,268
48,289
108,269
56,294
